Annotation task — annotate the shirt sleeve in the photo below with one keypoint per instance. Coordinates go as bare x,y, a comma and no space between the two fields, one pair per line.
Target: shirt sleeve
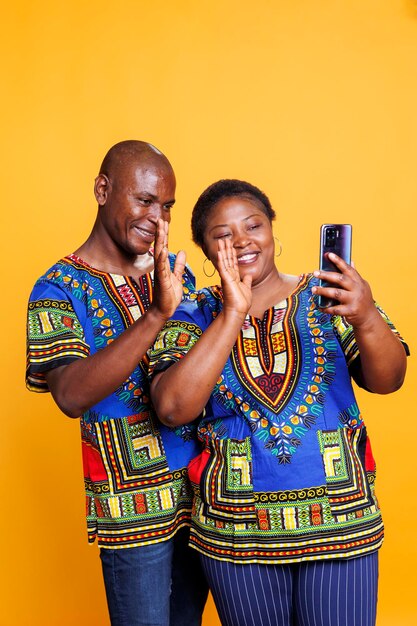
346,336
188,280
179,334
55,335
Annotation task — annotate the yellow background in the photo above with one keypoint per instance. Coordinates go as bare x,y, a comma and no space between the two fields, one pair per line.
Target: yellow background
313,101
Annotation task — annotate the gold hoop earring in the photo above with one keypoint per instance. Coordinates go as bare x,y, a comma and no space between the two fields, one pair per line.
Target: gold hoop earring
280,246
204,269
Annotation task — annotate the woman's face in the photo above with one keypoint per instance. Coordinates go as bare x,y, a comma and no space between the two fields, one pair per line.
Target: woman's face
245,224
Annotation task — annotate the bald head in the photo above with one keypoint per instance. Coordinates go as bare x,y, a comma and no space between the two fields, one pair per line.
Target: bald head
133,153
134,189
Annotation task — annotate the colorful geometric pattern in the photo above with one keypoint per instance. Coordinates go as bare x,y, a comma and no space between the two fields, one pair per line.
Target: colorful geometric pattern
133,495
55,334
269,377
347,337
347,485
286,473
284,526
227,485
171,342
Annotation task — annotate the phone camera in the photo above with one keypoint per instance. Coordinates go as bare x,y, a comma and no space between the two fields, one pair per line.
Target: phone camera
330,237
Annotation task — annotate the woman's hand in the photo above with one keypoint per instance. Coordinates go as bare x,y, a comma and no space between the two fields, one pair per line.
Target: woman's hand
382,362
353,294
237,293
212,349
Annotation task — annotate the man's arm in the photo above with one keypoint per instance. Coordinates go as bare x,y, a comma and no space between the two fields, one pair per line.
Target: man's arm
84,382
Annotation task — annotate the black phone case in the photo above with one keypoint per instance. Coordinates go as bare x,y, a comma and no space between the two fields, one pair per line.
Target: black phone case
335,238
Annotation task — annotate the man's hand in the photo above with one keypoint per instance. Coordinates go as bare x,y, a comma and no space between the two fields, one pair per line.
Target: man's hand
167,285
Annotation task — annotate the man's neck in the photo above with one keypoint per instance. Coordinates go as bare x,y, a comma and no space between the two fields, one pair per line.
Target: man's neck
109,258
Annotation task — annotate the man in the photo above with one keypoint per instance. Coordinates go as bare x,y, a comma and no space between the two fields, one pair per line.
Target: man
92,317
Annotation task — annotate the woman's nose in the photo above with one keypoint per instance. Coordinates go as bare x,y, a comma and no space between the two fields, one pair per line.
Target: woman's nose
240,240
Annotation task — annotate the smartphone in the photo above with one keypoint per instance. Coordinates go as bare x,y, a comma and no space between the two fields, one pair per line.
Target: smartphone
335,238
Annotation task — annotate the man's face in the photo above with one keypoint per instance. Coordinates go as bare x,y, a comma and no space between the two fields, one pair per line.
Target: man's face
134,198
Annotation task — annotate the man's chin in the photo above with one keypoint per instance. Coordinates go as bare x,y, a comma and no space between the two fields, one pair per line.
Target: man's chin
139,248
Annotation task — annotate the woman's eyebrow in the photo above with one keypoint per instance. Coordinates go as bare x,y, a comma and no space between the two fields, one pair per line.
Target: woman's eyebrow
226,225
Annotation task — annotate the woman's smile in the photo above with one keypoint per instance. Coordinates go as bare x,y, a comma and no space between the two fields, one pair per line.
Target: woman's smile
248,258
241,221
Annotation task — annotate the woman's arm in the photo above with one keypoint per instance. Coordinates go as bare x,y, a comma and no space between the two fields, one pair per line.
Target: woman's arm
81,384
382,356
180,393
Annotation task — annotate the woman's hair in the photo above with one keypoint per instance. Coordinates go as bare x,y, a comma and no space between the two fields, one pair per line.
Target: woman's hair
226,188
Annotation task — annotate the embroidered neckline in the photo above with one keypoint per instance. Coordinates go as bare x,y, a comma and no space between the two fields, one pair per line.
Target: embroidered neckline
77,259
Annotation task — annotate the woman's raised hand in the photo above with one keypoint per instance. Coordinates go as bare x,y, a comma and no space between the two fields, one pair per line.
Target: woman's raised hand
352,292
237,293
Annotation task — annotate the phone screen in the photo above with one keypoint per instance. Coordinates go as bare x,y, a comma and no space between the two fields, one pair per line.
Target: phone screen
335,238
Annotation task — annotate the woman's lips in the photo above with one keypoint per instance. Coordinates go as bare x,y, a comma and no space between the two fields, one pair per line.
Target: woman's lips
247,259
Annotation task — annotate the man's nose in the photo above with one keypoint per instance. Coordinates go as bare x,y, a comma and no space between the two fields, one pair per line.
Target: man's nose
155,212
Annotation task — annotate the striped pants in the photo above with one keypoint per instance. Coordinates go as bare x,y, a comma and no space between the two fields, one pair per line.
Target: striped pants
338,592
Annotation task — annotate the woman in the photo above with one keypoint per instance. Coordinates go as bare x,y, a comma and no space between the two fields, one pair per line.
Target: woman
285,514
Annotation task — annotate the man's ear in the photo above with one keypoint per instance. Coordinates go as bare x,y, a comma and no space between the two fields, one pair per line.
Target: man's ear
101,189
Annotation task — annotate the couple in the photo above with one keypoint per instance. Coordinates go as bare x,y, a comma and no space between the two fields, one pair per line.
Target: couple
251,384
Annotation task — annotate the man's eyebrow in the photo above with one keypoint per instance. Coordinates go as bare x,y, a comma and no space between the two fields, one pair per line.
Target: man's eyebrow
152,196
145,193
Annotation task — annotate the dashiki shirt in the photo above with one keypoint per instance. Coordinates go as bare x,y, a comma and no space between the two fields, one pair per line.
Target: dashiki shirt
135,469
286,473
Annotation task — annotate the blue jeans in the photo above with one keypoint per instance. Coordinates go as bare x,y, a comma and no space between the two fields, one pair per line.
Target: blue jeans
157,585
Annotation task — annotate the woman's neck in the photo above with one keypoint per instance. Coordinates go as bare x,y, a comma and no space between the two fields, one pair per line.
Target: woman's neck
275,288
